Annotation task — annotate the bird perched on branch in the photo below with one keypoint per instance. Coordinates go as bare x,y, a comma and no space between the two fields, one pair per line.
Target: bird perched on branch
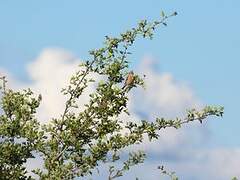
129,80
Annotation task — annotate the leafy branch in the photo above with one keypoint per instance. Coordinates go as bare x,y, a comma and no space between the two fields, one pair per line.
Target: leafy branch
171,175
76,143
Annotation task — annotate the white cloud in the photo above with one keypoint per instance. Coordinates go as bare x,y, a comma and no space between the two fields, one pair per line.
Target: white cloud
164,96
220,164
49,73
203,163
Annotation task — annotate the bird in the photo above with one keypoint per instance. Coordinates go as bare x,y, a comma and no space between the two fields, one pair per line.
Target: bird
129,80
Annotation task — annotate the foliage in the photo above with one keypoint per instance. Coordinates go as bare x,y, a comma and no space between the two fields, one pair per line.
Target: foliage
172,175
19,131
79,141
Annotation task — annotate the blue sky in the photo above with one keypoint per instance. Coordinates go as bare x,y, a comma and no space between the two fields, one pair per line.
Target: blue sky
201,46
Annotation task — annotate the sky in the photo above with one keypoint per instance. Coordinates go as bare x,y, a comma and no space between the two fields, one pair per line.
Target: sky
191,62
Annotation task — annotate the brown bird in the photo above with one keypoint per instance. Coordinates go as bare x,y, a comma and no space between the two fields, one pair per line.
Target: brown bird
129,80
